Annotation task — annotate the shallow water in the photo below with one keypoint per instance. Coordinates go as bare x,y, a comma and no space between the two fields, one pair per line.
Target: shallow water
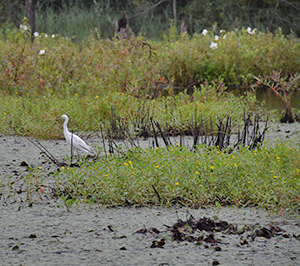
272,101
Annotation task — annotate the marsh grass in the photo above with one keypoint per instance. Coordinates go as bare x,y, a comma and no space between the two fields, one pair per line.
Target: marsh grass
267,177
88,79
24,115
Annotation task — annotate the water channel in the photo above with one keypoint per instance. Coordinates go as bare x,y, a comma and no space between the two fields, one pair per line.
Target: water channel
272,101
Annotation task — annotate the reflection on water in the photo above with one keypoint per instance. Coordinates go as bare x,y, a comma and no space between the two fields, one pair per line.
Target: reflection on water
269,97
274,102
271,100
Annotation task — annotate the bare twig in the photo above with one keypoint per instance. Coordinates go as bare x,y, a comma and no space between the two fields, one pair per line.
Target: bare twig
157,194
46,152
147,9
274,13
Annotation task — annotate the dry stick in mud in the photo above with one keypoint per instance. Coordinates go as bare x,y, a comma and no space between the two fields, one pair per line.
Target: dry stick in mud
157,194
195,131
103,142
130,137
211,133
46,152
111,148
260,138
155,135
162,134
223,132
255,137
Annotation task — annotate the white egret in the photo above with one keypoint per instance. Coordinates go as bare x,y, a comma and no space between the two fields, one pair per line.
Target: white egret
73,139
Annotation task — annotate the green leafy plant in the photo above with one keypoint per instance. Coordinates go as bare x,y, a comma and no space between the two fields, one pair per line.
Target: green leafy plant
267,177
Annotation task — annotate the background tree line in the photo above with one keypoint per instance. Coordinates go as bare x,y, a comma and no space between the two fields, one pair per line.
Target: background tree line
75,18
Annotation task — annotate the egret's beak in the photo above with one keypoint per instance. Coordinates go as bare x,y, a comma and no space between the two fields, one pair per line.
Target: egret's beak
58,119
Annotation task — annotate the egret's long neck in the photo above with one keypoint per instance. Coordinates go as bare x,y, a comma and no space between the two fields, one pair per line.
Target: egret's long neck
66,131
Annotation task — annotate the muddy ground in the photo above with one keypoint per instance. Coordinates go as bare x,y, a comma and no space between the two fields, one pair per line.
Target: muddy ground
44,233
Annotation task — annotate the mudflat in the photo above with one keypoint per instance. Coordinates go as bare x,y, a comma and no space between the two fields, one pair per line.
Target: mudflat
42,232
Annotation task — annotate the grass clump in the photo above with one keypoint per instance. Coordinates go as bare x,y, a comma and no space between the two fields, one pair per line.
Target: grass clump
267,177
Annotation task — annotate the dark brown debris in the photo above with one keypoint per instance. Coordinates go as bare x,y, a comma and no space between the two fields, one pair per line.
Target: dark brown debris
110,228
267,232
153,231
189,231
158,244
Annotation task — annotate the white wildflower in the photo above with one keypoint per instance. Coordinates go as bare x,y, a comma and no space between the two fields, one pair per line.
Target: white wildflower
213,45
24,27
42,52
204,32
250,31
224,37
36,34
53,35
46,35
216,37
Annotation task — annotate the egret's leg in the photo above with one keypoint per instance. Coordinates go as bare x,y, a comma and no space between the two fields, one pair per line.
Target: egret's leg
78,155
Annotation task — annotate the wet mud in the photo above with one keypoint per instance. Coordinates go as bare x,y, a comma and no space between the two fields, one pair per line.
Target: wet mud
45,234
42,232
